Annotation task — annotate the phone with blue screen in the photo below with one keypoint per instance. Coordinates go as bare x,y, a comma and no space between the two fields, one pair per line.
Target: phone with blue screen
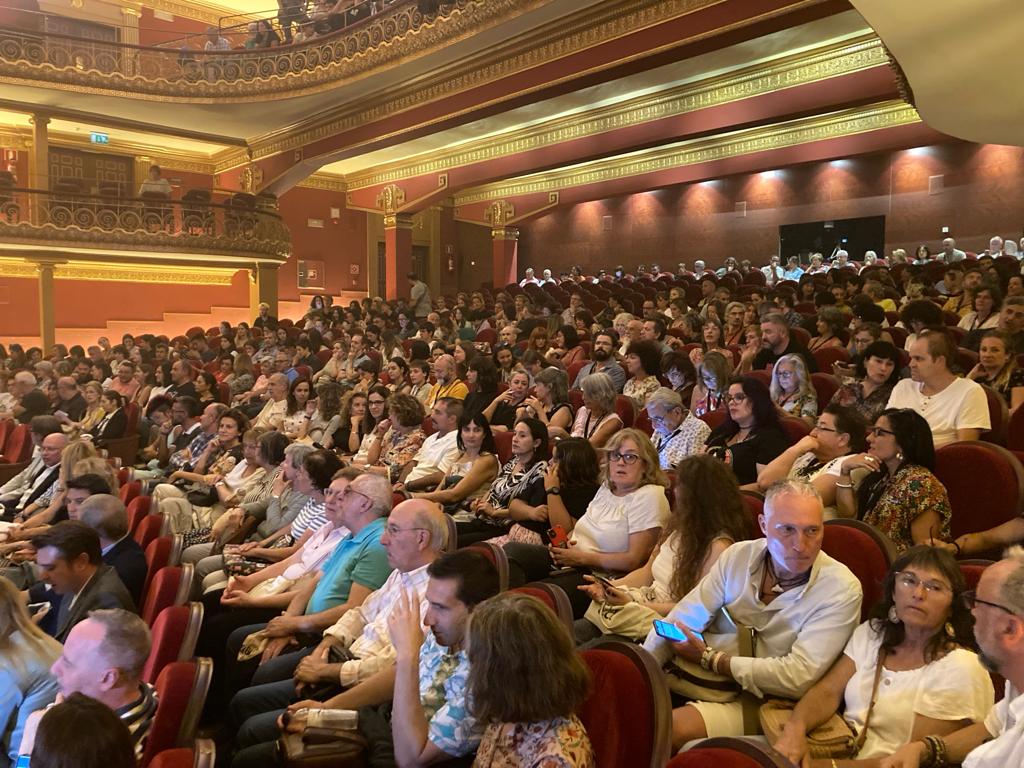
669,631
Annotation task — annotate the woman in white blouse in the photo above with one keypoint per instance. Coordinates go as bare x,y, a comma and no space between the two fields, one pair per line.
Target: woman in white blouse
988,300
929,683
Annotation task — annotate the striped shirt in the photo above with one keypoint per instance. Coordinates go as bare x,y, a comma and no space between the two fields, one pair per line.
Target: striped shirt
310,518
138,716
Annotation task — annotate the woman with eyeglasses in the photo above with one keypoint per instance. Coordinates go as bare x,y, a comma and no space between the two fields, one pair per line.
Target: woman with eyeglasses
877,372
818,457
376,412
900,496
618,531
709,392
396,438
470,476
907,673
750,438
597,420
791,389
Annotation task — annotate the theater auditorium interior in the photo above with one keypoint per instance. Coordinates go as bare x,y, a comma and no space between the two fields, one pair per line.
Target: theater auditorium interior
543,383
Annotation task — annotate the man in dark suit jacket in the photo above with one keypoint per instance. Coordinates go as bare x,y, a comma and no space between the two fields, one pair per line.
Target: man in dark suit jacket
70,561
25,488
106,515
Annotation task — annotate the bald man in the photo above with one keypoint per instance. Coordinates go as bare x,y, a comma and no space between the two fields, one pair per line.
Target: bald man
33,489
448,382
273,413
69,400
356,647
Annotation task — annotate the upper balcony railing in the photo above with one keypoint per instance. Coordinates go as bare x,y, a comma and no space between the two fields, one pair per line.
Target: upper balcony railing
243,225
28,56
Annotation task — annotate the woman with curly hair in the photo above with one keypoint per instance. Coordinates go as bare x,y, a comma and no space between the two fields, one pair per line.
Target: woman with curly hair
643,365
708,516
397,438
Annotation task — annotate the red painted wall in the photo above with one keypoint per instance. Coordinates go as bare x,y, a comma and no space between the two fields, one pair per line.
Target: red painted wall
157,32
19,307
339,245
981,195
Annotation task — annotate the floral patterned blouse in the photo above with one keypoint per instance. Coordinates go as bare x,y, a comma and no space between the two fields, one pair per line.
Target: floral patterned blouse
851,395
893,504
800,406
1016,379
558,743
398,450
641,390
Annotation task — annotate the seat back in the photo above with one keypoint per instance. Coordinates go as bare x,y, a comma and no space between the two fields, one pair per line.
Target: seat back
129,491
503,442
181,757
18,447
498,559
148,529
754,502
1015,431
5,429
138,508
825,386
161,552
998,416
826,357
865,550
181,689
553,596
169,586
175,633
625,407
972,570
795,429
628,714
730,752
978,506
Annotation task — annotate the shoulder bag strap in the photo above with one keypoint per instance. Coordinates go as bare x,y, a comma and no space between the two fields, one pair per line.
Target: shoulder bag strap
863,735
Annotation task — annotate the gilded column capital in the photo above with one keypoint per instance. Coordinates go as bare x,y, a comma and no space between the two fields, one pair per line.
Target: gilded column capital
39,121
398,221
505,233
500,213
390,200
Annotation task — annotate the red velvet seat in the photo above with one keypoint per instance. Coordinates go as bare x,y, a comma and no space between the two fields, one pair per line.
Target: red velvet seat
129,491
553,596
497,557
765,377
643,421
574,370
138,508
625,407
972,570
488,336
5,428
1015,431
800,334
825,386
795,429
730,752
161,552
147,530
754,503
714,419
324,355
576,399
181,691
628,714
503,442
169,586
998,416
866,551
826,357
979,506
305,372
18,446
175,633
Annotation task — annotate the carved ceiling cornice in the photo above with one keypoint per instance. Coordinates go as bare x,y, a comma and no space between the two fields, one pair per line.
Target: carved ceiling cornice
820,64
692,152
594,26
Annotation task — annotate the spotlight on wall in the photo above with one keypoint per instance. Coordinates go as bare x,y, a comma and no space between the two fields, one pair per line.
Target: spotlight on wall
919,151
770,174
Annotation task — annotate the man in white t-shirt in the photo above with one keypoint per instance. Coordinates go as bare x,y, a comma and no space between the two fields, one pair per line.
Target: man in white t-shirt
998,742
955,408
438,452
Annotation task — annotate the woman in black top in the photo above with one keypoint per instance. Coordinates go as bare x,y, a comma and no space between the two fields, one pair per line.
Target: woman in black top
114,422
482,378
501,413
751,436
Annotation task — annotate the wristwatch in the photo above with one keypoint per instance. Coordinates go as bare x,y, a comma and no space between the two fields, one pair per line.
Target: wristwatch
555,491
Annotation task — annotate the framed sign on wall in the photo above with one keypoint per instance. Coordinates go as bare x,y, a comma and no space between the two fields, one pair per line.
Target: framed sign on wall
311,274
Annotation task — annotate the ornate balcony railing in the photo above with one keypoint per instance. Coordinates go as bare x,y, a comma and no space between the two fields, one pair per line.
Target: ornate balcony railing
30,56
243,225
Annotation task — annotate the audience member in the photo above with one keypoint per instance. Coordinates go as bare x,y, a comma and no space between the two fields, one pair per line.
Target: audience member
750,438
469,474
792,390
677,432
876,373
597,420
997,368
84,732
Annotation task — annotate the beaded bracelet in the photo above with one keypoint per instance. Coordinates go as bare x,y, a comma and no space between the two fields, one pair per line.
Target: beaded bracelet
705,657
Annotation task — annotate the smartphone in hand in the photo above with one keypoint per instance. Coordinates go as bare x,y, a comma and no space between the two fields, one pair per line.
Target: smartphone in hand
669,631
558,537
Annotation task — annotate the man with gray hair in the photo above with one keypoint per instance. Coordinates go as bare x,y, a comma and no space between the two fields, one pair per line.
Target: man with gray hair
677,432
355,647
448,383
106,514
950,253
800,604
998,742
30,400
776,341
273,413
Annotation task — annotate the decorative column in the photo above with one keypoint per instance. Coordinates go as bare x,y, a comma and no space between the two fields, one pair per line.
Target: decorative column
39,166
397,241
47,321
263,288
129,36
506,256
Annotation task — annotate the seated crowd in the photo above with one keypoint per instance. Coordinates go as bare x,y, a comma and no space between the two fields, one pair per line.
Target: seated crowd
357,492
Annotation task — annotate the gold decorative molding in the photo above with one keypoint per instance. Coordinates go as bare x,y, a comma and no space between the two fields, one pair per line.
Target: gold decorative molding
504,233
401,221
325,181
391,199
784,72
209,14
15,139
694,151
252,178
499,213
109,271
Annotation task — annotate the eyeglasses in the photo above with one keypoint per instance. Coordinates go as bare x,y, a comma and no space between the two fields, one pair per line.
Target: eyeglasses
971,600
377,402
394,530
349,490
741,397
876,431
629,459
911,582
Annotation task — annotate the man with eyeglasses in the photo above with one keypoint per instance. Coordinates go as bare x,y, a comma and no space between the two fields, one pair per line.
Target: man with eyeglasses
602,355
800,604
998,742
677,432
354,648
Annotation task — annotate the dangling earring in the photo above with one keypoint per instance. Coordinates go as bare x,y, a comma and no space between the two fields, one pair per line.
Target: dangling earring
899,456
893,617
950,631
